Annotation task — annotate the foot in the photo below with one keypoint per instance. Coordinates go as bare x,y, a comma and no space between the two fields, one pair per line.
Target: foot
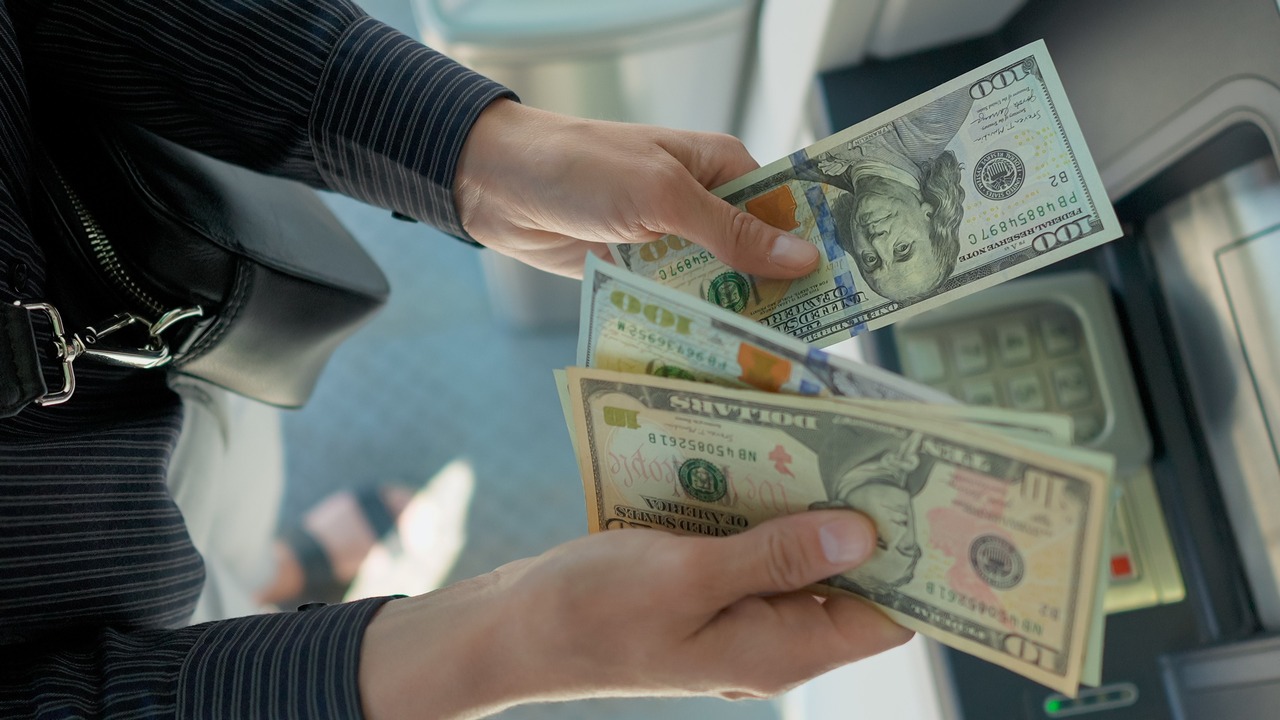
320,558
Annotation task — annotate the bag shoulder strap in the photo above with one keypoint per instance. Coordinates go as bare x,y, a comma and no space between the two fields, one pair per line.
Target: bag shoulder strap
21,381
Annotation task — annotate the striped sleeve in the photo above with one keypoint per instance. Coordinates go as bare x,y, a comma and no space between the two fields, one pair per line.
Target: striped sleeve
96,567
280,666
390,121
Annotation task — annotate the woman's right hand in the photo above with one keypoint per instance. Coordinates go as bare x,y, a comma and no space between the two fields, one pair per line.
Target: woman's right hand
630,613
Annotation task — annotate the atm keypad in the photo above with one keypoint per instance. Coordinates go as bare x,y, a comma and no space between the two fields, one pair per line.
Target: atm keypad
1052,344
1034,358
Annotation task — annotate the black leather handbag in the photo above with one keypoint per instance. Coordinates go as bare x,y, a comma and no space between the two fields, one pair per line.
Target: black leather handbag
168,258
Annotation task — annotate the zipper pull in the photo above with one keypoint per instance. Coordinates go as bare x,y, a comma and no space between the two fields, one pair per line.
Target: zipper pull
152,355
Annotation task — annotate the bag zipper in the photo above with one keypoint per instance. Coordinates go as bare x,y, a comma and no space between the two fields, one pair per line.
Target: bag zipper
105,255
154,352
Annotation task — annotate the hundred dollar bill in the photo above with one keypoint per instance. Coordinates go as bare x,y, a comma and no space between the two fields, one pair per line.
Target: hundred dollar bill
631,324
986,545
976,182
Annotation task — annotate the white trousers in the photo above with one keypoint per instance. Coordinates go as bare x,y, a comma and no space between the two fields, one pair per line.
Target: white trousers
227,477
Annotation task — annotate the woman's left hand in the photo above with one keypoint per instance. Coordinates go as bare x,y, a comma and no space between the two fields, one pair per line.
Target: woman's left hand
546,189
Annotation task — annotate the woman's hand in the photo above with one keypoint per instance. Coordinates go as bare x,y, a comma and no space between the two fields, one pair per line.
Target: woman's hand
546,189
630,613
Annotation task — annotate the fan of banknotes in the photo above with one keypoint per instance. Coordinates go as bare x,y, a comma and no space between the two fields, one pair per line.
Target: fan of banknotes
703,404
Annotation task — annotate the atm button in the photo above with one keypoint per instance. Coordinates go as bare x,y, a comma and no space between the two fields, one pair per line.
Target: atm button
1013,341
924,360
1060,333
980,392
970,353
1087,426
1121,567
1071,386
1026,392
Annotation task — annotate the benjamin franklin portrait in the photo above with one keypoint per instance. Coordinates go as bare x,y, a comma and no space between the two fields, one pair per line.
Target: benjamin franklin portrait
899,217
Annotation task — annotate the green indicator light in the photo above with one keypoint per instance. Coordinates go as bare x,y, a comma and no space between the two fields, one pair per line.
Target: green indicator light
1051,707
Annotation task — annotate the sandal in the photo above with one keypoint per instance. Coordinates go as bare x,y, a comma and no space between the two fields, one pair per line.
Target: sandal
320,583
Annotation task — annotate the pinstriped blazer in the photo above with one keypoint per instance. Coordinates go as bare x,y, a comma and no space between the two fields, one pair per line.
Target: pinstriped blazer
96,568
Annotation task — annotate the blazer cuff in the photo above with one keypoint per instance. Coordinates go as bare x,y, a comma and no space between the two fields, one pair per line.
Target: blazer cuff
391,119
279,665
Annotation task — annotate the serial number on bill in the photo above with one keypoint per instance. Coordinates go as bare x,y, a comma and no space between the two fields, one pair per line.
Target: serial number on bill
700,446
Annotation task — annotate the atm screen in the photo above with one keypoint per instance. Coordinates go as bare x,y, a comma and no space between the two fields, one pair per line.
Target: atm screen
1218,254
1248,272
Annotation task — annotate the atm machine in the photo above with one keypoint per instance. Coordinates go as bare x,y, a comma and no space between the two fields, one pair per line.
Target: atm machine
1163,345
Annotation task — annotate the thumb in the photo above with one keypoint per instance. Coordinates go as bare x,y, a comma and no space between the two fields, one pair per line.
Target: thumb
742,240
794,551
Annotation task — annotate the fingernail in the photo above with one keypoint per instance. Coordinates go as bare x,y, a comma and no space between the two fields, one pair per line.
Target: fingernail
844,541
792,253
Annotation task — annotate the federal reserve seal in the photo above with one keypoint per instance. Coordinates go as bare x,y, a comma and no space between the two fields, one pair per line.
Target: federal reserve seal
998,174
702,480
729,290
996,561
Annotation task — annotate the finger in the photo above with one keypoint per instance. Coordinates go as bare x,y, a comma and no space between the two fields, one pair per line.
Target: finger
850,630
789,553
780,641
738,238
712,158
862,623
842,630
602,252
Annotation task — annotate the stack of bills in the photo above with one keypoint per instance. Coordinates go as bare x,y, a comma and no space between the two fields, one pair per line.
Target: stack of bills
709,418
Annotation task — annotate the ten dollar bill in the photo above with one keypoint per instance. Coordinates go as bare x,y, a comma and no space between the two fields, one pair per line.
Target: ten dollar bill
986,545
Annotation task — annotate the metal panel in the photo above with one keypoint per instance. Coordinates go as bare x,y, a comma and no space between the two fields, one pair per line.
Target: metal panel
1150,80
1217,252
